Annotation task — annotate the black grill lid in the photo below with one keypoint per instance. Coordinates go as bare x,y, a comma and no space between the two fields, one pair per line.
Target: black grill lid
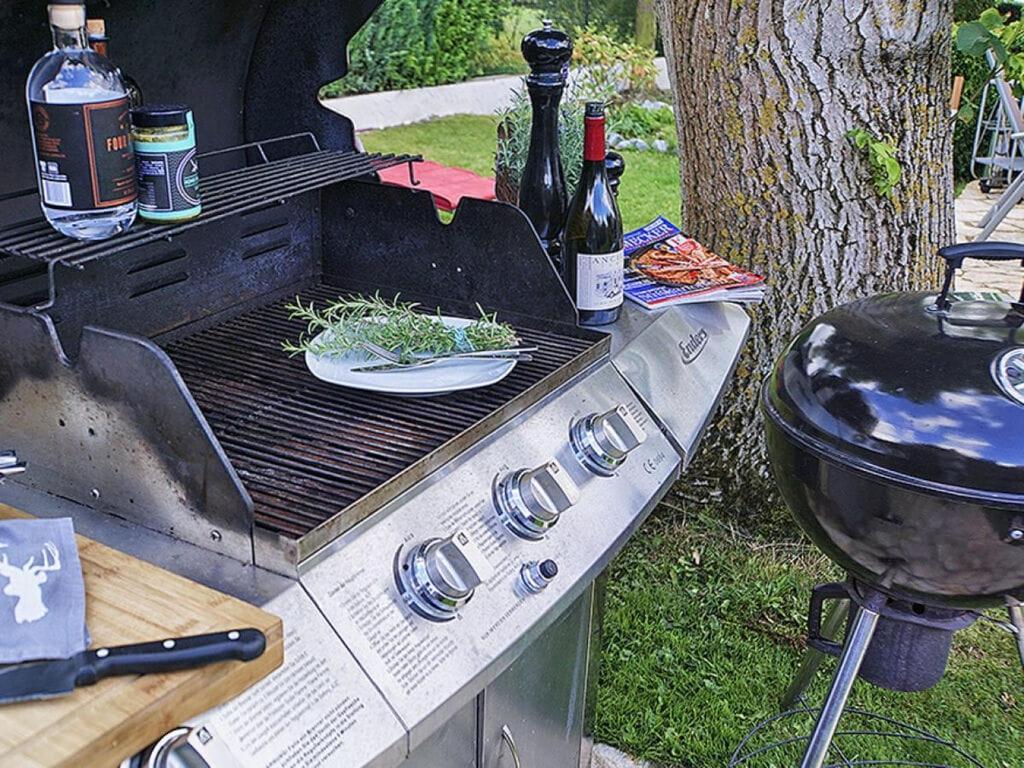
919,395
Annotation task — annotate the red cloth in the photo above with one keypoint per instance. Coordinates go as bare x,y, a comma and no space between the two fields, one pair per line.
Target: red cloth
448,185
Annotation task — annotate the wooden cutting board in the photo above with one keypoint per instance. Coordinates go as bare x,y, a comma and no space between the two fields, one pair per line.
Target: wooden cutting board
131,601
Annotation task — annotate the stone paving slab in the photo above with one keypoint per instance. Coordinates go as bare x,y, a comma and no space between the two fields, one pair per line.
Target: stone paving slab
609,757
980,275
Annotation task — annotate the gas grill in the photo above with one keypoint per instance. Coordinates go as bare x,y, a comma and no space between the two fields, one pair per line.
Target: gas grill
143,383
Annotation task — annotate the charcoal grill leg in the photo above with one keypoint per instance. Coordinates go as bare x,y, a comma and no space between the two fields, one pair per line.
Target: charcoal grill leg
1017,619
830,628
858,640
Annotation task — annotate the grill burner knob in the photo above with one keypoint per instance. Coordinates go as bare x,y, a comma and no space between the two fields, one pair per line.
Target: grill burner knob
603,441
438,576
530,501
536,576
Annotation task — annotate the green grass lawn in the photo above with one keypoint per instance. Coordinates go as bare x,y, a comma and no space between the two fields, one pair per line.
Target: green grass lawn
705,620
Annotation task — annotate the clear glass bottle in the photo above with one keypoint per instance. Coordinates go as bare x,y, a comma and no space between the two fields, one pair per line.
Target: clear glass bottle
81,127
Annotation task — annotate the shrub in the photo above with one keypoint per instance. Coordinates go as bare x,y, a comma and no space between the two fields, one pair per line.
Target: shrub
631,121
616,15
609,70
414,43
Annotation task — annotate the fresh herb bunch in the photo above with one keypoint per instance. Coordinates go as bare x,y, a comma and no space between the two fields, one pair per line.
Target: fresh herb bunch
397,326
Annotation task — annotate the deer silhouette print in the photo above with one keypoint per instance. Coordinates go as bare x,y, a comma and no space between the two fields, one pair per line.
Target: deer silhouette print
25,583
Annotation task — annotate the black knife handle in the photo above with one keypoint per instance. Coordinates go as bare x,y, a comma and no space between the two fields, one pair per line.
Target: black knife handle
171,655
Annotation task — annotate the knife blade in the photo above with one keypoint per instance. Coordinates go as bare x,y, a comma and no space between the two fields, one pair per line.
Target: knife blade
48,679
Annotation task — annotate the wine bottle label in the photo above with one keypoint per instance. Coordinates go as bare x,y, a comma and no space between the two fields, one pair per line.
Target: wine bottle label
84,153
599,280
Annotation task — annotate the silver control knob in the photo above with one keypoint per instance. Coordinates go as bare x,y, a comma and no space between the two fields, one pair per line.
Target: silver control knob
530,501
602,441
536,576
438,577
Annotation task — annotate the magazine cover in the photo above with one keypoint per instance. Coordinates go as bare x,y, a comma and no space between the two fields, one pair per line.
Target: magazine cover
665,267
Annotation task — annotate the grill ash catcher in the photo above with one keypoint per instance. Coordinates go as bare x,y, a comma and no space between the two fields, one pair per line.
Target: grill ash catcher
142,381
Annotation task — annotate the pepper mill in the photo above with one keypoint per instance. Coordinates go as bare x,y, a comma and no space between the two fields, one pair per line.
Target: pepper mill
542,193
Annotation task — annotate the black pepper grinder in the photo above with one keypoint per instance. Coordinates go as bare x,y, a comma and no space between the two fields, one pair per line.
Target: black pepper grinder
615,166
542,193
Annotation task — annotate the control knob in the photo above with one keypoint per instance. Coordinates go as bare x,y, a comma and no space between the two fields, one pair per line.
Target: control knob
530,501
438,577
602,441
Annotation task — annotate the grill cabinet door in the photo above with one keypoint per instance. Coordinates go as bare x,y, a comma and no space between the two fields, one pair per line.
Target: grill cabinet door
541,697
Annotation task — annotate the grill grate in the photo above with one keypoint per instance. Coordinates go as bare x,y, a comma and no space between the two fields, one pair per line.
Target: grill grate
225,194
307,450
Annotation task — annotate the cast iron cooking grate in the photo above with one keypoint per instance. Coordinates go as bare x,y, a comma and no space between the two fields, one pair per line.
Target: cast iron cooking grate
225,194
306,450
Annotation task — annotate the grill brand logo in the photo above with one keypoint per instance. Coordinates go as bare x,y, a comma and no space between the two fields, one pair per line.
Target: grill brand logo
691,348
25,583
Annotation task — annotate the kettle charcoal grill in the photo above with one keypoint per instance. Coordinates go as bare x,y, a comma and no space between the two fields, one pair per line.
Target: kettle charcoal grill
894,429
143,385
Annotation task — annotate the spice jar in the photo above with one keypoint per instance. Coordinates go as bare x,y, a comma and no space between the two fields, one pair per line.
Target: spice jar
164,140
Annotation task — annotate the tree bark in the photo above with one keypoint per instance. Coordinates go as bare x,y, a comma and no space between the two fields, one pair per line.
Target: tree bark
765,93
646,24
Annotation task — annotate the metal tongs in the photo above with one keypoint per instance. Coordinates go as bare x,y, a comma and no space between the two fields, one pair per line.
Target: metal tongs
9,464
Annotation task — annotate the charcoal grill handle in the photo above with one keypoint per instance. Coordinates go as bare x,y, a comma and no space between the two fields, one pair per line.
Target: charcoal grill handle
986,251
821,593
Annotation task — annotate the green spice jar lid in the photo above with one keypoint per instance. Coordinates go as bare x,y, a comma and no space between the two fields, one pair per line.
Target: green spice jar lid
160,115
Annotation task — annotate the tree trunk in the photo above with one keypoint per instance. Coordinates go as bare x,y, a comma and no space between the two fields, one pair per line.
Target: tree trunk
765,92
646,24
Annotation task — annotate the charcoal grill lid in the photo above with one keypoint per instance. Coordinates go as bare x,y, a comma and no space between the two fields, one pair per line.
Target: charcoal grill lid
899,388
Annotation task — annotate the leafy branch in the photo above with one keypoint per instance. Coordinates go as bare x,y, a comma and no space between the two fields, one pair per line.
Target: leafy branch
886,170
991,32
347,323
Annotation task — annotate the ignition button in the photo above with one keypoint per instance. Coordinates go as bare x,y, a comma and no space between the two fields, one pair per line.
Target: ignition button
536,576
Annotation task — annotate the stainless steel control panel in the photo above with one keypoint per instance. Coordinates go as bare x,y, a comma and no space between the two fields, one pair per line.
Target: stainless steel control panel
678,360
444,588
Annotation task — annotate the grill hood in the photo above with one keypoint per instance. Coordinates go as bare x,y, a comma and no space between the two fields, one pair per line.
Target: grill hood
249,70
911,393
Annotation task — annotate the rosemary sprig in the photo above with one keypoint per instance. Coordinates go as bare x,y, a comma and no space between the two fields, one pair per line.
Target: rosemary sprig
345,324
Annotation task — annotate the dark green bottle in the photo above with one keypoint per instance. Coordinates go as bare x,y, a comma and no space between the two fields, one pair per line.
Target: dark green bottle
592,248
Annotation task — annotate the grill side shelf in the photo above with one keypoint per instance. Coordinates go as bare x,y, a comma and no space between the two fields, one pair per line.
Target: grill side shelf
225,194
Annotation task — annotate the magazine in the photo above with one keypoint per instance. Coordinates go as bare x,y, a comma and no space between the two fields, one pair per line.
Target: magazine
664,267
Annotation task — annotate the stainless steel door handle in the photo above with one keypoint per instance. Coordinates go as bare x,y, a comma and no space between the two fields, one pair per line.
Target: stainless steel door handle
506,736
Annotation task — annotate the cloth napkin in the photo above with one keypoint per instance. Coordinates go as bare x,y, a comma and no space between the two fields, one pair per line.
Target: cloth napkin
42,596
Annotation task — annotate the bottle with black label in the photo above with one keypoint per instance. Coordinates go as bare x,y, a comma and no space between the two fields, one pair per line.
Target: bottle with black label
81,130
592,244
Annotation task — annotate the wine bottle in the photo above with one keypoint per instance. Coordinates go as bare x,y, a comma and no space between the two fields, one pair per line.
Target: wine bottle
542,192
592,243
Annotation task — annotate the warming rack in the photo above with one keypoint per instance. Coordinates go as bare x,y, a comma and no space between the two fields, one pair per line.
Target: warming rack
225,194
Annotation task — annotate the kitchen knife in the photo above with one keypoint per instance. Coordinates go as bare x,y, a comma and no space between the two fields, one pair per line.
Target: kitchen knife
46,679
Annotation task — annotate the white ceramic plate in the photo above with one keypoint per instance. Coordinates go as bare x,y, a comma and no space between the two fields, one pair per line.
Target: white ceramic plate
437,379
